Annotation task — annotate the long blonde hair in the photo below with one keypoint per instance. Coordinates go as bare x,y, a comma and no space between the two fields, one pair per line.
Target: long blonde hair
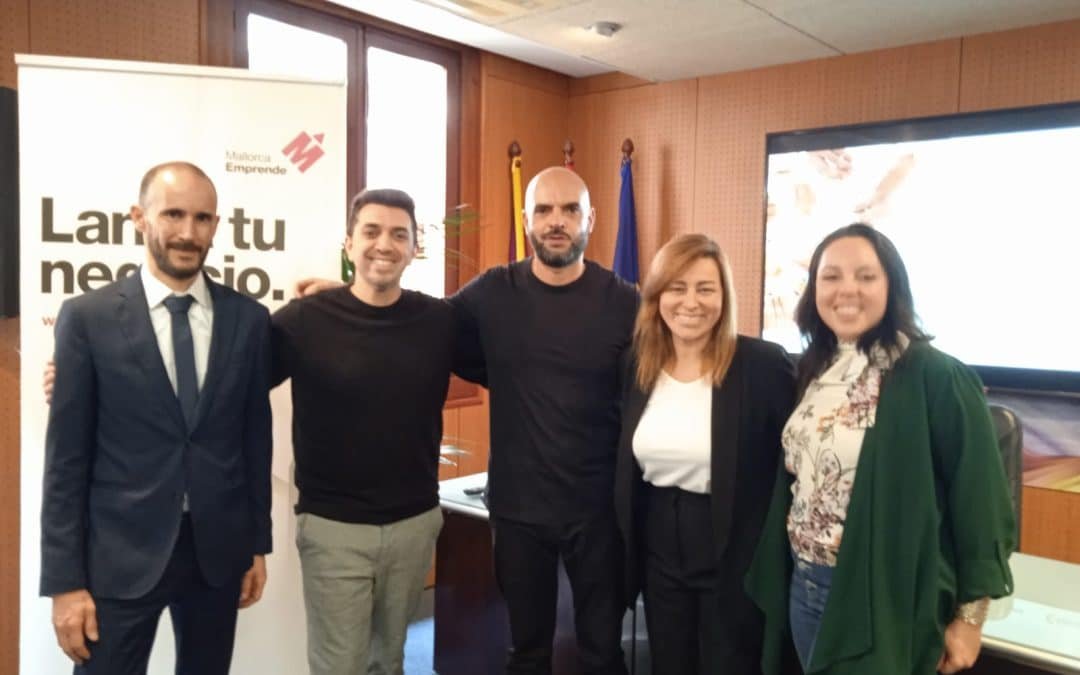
653,344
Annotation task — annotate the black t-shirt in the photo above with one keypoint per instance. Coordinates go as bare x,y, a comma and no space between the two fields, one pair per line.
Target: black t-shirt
368,387
551,355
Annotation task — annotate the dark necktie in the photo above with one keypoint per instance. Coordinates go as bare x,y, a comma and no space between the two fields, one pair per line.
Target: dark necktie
187,383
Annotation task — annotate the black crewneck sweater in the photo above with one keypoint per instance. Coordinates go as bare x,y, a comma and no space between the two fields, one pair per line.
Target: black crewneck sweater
368,388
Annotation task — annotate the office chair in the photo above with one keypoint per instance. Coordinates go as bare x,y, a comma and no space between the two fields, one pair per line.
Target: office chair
1010,434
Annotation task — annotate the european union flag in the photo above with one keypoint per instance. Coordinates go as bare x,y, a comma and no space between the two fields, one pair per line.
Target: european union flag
626,262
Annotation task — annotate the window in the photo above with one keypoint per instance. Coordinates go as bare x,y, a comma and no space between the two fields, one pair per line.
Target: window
404,118
406,148
309,53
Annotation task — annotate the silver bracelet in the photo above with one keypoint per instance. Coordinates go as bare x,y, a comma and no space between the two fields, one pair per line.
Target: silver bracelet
974,612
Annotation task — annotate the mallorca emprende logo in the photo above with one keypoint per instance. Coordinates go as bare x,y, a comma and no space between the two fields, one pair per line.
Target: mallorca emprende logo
304,150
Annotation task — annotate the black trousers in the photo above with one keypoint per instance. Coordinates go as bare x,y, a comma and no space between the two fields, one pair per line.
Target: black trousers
526,569
698,621
203,619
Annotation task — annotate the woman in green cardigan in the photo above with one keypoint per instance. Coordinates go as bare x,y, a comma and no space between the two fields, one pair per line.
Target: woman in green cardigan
890,524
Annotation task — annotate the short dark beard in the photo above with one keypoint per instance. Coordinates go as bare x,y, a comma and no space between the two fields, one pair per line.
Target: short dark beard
560,260
384,287
161,258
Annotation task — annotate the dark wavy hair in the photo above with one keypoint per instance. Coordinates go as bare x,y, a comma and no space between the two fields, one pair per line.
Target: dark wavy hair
395,199
899,307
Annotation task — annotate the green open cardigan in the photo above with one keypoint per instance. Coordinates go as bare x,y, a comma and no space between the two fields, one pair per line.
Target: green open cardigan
930,524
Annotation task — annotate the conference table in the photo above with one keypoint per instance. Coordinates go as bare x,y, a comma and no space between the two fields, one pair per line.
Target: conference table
1038,626
1036,630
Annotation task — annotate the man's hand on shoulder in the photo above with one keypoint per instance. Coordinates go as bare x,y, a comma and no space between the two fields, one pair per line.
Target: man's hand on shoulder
251,588
312,285
74,617
48,379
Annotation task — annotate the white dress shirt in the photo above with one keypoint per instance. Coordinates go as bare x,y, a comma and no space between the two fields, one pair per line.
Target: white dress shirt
673,439
200,317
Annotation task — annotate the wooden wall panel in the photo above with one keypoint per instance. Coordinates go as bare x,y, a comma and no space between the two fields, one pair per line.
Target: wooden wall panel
1051,524
9,495
216,35
447,470
526,75
606,82
450,468
1034,66
144,30
14,37
530,110
474,437
661,120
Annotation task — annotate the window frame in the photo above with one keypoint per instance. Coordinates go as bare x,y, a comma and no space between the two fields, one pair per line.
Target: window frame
452,63
224,42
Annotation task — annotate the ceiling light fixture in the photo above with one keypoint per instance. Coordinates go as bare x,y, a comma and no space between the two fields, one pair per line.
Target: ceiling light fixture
605,28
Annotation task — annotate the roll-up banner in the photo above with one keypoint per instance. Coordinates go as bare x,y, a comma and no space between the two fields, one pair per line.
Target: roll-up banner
275,149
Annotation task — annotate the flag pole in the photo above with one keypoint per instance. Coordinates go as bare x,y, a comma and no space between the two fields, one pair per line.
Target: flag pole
517,227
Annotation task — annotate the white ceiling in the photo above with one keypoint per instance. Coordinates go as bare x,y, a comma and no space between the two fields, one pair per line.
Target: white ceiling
675,39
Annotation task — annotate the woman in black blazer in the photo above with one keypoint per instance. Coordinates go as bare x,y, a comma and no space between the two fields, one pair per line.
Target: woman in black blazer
703,409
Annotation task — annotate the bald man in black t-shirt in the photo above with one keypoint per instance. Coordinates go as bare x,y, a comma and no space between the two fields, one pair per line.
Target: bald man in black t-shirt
552,329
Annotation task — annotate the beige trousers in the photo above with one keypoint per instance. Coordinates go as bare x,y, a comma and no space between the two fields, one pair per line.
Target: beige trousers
362,584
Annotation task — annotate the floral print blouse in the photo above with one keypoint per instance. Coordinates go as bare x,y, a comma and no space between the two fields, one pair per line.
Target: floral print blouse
822,440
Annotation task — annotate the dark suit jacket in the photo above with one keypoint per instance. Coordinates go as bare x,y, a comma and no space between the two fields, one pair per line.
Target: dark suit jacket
749,410
119,456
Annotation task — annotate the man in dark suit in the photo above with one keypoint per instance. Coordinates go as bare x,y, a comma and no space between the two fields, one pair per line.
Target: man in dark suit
157,468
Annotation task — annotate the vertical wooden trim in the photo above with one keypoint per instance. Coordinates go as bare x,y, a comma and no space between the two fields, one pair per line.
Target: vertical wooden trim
471,112
10,458
453,170
216,32
467,266
357,127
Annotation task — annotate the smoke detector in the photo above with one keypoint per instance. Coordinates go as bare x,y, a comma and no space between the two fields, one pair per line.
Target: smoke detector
605,28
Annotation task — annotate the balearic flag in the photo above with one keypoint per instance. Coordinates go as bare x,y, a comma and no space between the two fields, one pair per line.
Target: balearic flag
518,248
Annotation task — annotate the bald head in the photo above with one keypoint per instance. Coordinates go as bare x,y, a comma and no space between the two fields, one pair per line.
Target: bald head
558,180
168,172
558,217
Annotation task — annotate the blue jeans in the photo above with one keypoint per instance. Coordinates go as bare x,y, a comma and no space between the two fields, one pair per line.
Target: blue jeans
810,584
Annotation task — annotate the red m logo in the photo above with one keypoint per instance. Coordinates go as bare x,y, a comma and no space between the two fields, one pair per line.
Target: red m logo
302,152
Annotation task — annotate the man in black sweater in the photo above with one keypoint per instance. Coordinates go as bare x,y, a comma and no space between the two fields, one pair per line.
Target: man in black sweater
551,329
370,366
